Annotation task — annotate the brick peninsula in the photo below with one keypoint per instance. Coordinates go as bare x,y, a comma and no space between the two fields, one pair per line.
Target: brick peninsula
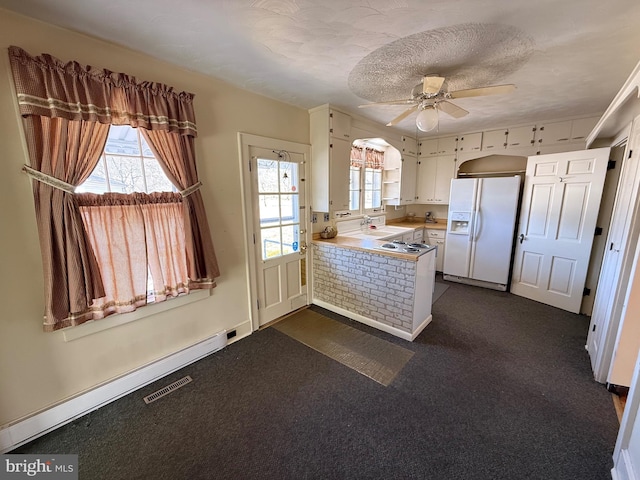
389,291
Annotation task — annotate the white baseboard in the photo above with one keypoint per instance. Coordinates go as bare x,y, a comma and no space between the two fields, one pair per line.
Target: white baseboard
22,431
368,321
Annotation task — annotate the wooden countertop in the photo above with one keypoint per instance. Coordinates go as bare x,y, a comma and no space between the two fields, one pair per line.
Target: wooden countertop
368,245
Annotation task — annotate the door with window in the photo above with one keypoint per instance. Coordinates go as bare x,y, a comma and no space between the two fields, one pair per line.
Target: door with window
280,238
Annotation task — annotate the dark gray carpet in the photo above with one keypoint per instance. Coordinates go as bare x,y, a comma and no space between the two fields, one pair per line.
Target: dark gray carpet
499,387
439,288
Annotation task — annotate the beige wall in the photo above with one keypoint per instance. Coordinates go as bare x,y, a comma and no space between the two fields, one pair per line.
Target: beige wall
38,369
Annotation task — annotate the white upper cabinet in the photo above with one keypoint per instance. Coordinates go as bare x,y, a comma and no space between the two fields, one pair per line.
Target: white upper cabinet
521,137
339,158
339,125
438,146
581,128
447,145
330,159
409,146
494,140
429,147
470,142
434,179
555,133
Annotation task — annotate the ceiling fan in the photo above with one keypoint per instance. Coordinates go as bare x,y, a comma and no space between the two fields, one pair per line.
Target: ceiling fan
428,98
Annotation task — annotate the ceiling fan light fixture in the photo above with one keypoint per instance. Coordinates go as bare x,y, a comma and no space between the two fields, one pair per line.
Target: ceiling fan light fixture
427,119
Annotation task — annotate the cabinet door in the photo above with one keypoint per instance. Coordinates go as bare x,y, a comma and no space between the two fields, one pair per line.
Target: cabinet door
470,142
494,140
440,255
425,189
447,145
339,153
581,128
409,146
553,133
339,125
408,179
429,147
445,171
418,235
520,137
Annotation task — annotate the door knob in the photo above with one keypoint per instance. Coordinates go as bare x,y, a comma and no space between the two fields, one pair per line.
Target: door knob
521,237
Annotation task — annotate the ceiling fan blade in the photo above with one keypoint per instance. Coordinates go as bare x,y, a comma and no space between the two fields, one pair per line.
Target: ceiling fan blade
478,92
451,109
432,84
402,116
407,101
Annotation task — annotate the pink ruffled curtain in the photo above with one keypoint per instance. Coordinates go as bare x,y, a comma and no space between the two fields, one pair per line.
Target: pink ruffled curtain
68,151
367,157
48,87
129,232
176,154
357,156
374,159
67,109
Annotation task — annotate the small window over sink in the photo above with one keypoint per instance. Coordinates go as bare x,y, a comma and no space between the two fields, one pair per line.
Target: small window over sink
365,179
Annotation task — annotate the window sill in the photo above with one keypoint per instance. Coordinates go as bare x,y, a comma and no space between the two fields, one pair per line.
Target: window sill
95,326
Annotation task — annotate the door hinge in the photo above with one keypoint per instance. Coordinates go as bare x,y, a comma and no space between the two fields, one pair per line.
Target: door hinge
249,164
611,164
593,329
258,302
598,231
586,292
630,153
254,238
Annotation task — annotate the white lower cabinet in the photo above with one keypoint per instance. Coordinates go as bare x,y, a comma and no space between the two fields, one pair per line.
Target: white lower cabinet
437,238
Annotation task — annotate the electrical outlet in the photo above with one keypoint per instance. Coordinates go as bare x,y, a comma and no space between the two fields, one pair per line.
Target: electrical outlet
314,218
326,217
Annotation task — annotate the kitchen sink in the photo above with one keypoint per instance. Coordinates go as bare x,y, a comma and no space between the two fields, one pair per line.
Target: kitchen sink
382,232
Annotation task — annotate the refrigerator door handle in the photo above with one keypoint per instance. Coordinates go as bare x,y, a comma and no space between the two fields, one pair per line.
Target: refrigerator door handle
478,225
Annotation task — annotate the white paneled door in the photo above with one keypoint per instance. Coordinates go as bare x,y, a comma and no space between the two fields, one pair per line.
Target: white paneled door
560,205
279,238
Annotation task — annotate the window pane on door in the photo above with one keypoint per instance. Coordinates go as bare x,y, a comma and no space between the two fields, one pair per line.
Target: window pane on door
269,210
271,242
289,209
268,176
288,177
289,239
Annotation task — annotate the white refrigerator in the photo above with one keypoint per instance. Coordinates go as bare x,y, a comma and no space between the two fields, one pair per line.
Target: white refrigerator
480,231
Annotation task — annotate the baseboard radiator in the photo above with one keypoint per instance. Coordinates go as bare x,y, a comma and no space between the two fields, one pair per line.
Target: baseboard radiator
22,431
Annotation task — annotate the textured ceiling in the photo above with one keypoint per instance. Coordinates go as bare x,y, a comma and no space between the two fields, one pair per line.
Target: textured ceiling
566,57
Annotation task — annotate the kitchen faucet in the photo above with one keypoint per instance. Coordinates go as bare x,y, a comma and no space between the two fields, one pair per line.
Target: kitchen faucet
366,220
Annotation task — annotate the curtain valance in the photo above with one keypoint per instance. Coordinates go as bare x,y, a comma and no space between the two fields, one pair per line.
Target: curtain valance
367,157
46,86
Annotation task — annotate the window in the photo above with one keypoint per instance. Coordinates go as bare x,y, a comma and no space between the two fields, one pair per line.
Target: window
365,176
127,165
